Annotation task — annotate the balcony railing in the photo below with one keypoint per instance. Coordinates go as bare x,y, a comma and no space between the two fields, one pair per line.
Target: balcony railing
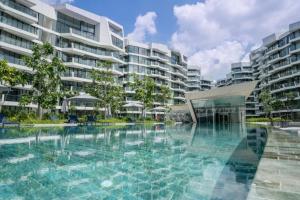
77,75
18,24
19,7
10,39
80,33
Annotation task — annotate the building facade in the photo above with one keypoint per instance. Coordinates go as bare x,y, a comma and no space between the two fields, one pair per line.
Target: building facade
241,72
165,66
278,66
82,40
196,82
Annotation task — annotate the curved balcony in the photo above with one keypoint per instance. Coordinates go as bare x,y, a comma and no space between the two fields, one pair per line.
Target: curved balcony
76,35
10,26
158,75
19,11
286,86
178,73
76,77
179,89
109,56
285,76
91,65
15,46
177,80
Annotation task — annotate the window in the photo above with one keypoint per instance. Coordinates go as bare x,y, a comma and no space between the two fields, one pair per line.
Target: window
15,40
115,29
65,23
117,42
9,20
11,57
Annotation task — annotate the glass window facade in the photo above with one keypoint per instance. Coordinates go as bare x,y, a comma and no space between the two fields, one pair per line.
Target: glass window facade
115,29
13,4
11,21
11,57
15,40
223,109
117,42
65,23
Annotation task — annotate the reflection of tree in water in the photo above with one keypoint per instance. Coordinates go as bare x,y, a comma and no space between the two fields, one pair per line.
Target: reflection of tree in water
150,162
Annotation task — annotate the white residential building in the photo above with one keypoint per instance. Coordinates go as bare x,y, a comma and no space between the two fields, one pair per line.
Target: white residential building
166,66
277,67
197,82
82,39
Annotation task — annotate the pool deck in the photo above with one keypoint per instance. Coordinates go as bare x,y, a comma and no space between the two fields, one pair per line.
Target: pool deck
278,173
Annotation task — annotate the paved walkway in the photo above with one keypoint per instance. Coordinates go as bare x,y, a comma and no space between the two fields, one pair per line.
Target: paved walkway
278,173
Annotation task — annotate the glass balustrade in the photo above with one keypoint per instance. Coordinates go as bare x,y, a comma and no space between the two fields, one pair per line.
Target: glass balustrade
19,7
11,21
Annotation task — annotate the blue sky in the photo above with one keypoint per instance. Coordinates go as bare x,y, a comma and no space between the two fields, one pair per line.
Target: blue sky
126,11
212,33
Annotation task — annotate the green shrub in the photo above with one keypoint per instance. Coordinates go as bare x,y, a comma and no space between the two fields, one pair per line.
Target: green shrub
111,120
264,119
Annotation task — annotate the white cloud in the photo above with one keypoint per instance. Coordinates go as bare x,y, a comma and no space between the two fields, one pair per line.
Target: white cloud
53,2
144,25
216,61
226,27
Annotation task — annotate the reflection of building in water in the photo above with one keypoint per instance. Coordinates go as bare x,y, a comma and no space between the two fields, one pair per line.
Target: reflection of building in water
241,167
181,161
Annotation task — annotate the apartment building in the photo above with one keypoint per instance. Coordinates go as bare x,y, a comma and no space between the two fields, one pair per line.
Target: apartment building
82,39
278,63
241,72
276,67
196,82
166,66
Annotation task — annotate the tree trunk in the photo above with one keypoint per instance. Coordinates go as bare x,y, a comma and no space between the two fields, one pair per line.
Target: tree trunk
105,111
271,119
40,112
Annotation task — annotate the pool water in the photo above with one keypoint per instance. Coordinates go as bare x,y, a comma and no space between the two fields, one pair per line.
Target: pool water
130,162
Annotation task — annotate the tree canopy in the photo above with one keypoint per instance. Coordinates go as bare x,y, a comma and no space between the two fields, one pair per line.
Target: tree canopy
47,68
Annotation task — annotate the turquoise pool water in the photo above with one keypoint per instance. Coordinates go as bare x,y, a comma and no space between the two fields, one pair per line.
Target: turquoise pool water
132,162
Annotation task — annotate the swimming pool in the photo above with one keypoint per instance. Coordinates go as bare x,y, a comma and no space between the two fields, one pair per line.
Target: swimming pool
130,162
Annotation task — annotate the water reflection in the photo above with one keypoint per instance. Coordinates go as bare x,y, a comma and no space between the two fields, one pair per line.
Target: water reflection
130,162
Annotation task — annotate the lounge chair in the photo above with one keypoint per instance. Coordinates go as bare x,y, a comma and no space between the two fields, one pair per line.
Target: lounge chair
4,122
72,119
91,119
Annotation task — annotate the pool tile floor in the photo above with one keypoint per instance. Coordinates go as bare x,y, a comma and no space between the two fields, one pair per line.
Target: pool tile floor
278,173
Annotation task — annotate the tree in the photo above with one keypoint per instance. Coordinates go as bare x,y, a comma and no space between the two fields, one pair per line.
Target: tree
267,102
47,68
106,89
277,104
144,91
164,94
290,102
10,76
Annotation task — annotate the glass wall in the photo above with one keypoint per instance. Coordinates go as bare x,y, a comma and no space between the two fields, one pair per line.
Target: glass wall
11,21
65,23
220,110
15,40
